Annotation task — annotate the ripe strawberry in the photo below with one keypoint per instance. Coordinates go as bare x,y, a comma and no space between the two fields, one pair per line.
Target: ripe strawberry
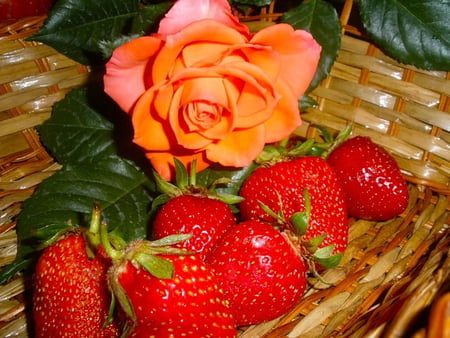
191,209
372,181
261,273
205,218
188,298
168,330
70,293
15,9
281,188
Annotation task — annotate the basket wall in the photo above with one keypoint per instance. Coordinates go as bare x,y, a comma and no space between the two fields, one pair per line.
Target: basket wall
393,273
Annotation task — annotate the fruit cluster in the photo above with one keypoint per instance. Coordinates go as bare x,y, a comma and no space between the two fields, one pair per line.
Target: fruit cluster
216,262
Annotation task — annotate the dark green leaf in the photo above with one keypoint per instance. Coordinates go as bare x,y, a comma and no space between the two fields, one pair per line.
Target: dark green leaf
82,129
321,20
144,23
148,18
67,197
414,32
307,101
237,176
257,3
75,133
75,27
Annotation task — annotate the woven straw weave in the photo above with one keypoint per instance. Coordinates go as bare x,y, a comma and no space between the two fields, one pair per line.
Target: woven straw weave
394,278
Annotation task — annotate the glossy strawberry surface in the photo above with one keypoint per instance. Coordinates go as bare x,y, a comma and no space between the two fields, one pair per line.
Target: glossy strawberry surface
16,9
205,218
372,181
190,299
262,275
70,292
281,188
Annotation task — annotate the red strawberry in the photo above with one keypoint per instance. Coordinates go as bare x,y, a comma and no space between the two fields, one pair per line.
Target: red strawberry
168,330
261,273
205,218
71,296
281,188
15,9
186,297
192,209
371,179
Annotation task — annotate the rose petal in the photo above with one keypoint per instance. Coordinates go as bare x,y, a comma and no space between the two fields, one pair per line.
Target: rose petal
212,117
265,57
184,12
125,72
186,139
208,88
239,149
257,97
299,54
149,132
286,116
198,53
206,30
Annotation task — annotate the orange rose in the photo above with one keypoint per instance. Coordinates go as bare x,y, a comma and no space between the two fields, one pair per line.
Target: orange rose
211,91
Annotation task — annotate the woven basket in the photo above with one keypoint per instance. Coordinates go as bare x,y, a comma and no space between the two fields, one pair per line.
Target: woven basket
394,278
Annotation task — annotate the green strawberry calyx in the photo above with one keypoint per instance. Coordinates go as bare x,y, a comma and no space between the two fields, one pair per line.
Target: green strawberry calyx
295,229
141,254
91,235
287,149
186,184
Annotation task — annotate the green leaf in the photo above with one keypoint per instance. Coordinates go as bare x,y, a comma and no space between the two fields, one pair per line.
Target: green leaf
208,176
307,101
75,133
75,27
257,3
144,23
149,16
82,129
321,20
414,32
67,197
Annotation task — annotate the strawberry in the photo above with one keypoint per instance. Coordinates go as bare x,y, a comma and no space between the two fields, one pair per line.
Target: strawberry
205,218
191,209
164,288
168,330
15,9
70,291
281,186
261,273
371,179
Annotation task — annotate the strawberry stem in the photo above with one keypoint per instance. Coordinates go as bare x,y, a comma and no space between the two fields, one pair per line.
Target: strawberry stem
340,138
93,235
105,241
